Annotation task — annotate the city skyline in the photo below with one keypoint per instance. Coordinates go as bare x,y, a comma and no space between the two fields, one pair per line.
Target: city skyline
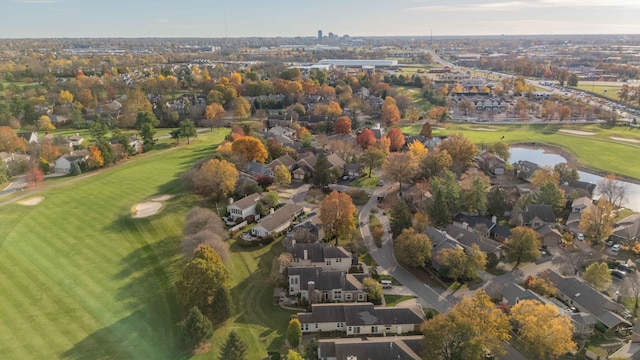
286,18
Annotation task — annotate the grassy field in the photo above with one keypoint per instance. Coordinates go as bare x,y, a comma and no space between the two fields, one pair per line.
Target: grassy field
81,279
415,94
366,182
598,151
393,300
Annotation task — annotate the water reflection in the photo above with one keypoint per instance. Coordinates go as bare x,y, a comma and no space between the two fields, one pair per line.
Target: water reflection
541,158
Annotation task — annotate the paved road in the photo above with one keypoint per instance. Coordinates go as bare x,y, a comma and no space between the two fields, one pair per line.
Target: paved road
385,259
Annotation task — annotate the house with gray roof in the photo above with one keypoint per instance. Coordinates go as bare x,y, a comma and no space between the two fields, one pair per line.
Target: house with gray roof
63,163
468,238
322,255
535,216
525,169
396,347
361,319
244,207
548,235
627,230
285,160
255,168
316,285
278,221
575,292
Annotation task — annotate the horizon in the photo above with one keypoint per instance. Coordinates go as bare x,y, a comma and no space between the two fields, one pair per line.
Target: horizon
54,19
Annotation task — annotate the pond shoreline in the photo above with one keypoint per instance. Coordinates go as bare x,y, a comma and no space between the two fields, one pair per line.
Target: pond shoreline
571,159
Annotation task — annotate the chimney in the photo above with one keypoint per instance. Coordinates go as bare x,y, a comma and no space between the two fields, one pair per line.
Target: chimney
616,296
494,219
306,255
271,211
230,200
293,242
465,225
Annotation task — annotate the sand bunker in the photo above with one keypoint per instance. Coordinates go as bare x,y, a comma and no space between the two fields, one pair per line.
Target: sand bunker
483,129
148,208
31,201
624,139
577,132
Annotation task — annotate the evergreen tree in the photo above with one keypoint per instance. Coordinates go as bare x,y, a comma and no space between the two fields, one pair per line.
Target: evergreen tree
146,122
75,169
322,173
234,348
294,332
400,218
196,329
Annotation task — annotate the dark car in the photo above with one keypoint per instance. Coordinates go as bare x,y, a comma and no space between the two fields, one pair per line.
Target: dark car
618,273
626,268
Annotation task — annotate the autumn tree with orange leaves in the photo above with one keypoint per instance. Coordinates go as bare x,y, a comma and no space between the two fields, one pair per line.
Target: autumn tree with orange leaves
95,159
249,148
365,139
338,215
396,138
390,112
342,125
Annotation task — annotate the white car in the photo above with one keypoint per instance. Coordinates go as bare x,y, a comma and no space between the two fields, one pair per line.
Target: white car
580,236
616,247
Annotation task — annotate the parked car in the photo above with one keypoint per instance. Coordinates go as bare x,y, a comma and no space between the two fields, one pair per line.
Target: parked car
616,247
381,183
580,236
618,273
626,268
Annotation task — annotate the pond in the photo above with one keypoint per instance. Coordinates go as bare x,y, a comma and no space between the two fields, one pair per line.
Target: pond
542,158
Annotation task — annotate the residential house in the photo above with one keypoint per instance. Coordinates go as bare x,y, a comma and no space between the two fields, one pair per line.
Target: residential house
491,163
322,255
535,216
76,140
440,240
396,347
316,285
30,137
285,160
627,230
277,222
257,169
575,292
353,169
305,167
336,163
580,204
246,184
548,235
63,163
306,232
244,207
478,223
525,169
7,158
361,319
468,238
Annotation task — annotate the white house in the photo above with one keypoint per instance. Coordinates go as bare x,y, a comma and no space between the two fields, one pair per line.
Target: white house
244,207
277,222
321,255
361,319
76,140
315,285
63,164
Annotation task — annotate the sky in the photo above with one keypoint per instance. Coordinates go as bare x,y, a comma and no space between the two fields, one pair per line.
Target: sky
288,18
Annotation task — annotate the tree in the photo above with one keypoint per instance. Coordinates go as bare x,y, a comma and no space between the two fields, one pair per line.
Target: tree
187,129
213,114
304,136
438,113
215,178
435,163
342,125
365,139
523,246
413,249
546,333
573,80
322,175
400,218
373,158
565,172
446,197
282,175
396,139
294,332
460,264
4,173
34,175
426,130
374,290
412,113
86,98
271,199
551,194
541,285
95,159
234,348
294,355
542,175
311,350
334,109
10,141
278,266
337,214
241,107
598,275
65,97
390,112
135,102
597,221
248,149
99,130
471,329
613,190
564,112
500,149
399,167
418,151
196,329
44,123
475,186
461,149
204,283
146,122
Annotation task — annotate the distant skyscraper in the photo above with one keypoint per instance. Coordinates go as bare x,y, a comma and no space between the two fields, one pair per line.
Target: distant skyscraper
319,35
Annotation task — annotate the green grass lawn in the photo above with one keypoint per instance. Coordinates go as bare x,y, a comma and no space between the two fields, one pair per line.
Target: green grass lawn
598,151
393,300
608,91
365,182
81,279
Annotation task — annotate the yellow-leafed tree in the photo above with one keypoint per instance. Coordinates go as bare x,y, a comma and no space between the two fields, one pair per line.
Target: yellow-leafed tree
249,148
337,214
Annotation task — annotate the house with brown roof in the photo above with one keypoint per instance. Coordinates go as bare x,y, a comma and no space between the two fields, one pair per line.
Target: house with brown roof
535,216
361,319
305,167
277,222
244,207
285,160
627,230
